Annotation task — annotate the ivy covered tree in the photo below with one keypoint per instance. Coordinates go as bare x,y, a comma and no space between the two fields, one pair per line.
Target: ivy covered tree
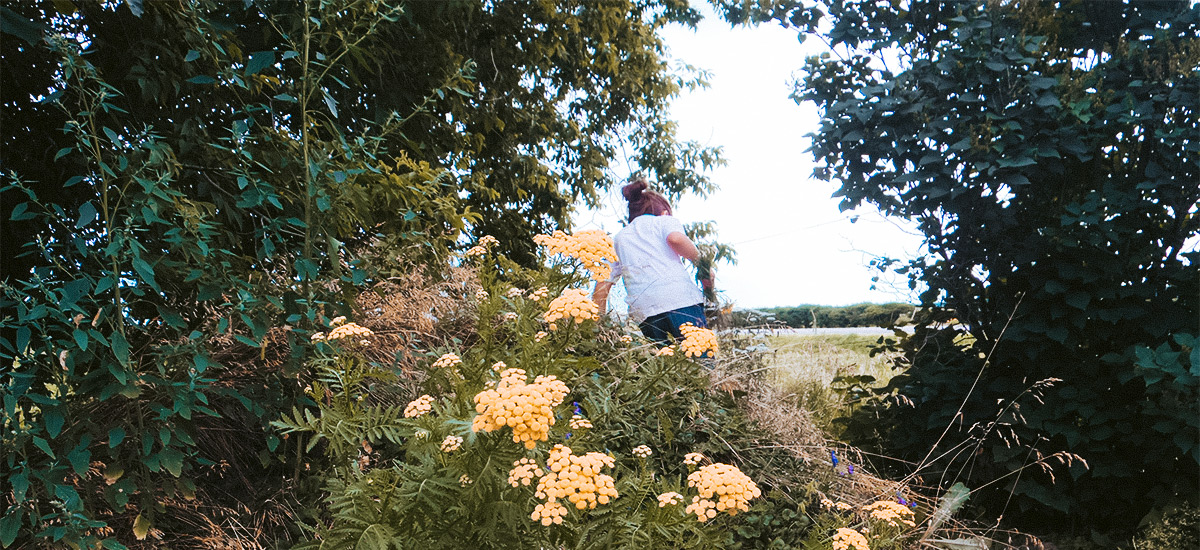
1050,154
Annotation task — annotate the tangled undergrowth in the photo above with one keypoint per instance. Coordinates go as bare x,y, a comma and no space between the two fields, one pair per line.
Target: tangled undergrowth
453,415
547,427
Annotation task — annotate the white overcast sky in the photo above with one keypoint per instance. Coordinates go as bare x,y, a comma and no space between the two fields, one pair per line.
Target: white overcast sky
793,245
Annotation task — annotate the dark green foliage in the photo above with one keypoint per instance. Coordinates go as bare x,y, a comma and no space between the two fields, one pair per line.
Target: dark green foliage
169,236
1050,156
813,316
191,188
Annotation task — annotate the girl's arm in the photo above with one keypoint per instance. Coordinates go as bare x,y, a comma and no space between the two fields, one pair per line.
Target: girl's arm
683,246
600,295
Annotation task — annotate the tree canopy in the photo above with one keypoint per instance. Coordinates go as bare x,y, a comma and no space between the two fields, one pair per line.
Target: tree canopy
191,188
1050,154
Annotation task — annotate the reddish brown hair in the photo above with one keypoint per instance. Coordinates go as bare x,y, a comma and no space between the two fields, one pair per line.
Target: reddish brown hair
642,200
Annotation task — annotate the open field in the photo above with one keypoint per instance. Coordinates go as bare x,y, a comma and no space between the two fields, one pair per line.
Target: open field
808,366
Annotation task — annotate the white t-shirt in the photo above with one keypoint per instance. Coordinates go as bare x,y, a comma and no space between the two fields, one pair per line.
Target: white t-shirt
655,279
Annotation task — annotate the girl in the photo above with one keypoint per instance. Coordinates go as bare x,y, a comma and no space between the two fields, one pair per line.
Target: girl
660,293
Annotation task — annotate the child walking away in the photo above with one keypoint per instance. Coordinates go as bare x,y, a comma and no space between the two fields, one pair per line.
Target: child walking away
659,292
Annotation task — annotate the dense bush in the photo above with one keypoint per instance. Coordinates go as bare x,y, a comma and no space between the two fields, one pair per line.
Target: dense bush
191,189
1048,156
814,316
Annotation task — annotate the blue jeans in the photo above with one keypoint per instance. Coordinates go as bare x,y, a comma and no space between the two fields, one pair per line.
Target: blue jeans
664,326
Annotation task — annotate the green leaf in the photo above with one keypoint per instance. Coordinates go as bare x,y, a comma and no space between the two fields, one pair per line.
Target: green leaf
954,498
201,79
87,214
1078,299
45,447
10,525
115,437
112,136
1048,100
81,338
169,315
192,55
80,460
146,271
172,459
259,61
19,212
120,348
20,484
331,104
54,422
13,23
141,526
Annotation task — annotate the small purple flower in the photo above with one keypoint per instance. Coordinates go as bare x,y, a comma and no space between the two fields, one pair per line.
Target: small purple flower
833,456
578,410
566,436
849,469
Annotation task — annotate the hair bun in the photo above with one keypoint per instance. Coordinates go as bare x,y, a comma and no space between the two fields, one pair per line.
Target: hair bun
633,190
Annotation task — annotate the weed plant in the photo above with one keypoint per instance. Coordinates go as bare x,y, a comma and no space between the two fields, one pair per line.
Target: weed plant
820,373
425,456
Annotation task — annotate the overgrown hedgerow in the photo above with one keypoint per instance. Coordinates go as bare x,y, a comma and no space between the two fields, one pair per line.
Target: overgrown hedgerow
579,436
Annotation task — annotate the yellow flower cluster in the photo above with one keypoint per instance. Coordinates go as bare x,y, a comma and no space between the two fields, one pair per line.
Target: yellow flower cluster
626,339
574,304
350,330
840,506
539,336
669,499
508,317
523,472
849,539
347,330
892,513
538,294
481,295
665,352
580,423
514,292
577,479
446,361
526,408
693,459
419,407
465,480
549,512
642,451
501,365
593,248
697,341
732,488
481,248
451,443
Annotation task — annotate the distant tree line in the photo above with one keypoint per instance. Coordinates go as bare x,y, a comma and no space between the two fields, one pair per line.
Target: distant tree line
813,316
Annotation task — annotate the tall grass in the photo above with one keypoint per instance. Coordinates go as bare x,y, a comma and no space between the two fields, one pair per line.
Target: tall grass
808,368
